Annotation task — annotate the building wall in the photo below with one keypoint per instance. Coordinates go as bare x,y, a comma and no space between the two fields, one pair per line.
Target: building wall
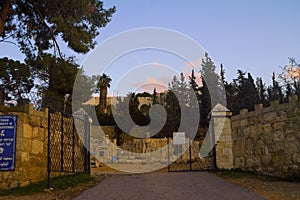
31,149
267,140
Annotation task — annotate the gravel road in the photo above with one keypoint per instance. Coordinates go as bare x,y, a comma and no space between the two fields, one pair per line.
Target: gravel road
173,186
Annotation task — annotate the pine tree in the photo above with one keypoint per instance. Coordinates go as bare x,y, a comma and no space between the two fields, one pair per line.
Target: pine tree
36,25
210,90
247,94
275,91
261,88
195,89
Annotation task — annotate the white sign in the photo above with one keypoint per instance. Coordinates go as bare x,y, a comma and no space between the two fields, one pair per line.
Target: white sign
178,138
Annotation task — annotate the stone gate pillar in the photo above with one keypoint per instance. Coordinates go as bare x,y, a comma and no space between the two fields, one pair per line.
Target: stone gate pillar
223,136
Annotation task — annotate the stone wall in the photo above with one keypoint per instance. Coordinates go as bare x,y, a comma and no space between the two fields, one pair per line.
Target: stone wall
267,140
31,149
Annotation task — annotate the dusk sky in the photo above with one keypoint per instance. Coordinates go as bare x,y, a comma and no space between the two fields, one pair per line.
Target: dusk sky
256,36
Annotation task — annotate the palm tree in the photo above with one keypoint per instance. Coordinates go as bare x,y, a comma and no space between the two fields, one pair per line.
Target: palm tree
103,84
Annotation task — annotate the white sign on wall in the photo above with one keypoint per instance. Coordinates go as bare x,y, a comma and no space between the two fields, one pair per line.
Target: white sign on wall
178,138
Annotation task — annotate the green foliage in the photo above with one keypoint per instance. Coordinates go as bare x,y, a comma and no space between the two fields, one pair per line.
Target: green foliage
154,97
56,77
261,88
144,94
36,25
275,91
58,183
210,90
102,85
15,80
244,93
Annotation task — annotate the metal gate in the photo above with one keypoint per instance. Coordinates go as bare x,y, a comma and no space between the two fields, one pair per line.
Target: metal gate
68,143
185,157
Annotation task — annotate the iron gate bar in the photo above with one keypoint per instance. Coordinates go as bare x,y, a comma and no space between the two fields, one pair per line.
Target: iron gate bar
73,148
189,165
62,142
66,143
48,156
169,155
190,150
87,143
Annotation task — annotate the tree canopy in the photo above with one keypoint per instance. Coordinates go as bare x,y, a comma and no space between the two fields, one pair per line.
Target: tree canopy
36,24
15,79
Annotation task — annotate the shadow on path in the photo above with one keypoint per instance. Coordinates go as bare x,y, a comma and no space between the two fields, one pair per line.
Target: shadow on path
188,186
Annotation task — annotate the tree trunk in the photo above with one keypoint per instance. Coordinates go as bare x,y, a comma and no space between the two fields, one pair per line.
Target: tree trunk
103,96
4,12
2,97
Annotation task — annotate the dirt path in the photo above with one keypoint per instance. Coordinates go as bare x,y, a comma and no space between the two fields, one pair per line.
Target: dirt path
191,185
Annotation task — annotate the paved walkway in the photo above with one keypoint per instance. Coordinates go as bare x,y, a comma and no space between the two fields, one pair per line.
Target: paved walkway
173,186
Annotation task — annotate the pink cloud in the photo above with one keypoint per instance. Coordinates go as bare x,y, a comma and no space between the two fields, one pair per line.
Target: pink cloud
160,84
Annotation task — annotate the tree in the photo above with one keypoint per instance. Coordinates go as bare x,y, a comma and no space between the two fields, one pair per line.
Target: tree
247,95
36,25
195,88
275,91
222,74
230,90
15,80
291,77
261,88
210,90
55,78
103,84
154,97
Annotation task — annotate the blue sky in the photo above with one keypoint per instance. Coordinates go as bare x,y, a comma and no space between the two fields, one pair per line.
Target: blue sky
256,36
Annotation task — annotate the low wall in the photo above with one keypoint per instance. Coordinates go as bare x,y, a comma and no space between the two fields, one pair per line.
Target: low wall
267,140
31,149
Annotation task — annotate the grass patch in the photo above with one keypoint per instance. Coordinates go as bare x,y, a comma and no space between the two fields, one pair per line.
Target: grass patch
59,183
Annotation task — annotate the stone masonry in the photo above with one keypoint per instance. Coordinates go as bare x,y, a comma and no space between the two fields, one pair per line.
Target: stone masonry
31,149
267,140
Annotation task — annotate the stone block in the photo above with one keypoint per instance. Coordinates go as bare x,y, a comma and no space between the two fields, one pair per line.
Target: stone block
221,138
228,138
296,157
235,124
35,120
239,162
13,184
227,152
220,145
266,160
244,122
228,145
26,145
291,147
38,133
24,183
270,116
35,132
4,185
266,128
44,123
278,136
24,157
37,147
293,169
27,131
250,162
291,137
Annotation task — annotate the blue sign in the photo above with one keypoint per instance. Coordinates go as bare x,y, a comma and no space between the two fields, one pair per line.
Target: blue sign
8,128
